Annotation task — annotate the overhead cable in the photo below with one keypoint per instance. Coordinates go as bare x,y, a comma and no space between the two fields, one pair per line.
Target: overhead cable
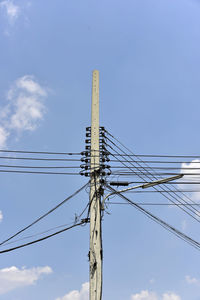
37,172
84,221
159,221
151,176
77,219
45,215
40,152
40,159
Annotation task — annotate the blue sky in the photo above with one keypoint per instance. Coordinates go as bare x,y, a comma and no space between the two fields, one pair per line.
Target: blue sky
147,53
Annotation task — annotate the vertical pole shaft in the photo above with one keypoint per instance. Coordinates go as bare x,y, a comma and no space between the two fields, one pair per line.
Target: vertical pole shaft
95,198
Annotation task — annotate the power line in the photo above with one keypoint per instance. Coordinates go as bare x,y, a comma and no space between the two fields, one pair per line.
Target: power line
40,152
155,161
171,183
45,215
40,167
84,221
40,159
159,155
157,168
159,191
34,172
156,173
150,176
77,218
153,204
160,221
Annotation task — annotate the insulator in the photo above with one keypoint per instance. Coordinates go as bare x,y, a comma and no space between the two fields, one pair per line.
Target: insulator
87,174
102,134
102,141
82,159
87,147
102,147
88,141
105,153
102,127
81,173
103,160
107,166
82,166
86,167
88,134
88,128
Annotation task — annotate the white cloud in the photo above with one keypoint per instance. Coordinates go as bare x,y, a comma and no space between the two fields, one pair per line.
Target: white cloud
170,296
12,278
24,109
3,137
12,10
184,225
1,216
191,168
28,84
83,294
146,295
152,280
192,280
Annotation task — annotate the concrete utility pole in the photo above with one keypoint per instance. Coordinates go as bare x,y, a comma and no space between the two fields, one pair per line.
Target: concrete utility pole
95,254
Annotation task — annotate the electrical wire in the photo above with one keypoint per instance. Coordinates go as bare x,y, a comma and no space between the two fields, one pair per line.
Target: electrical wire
34,172
77,218
155,161
45,215
159,221
153,204
159,191
40,167
40,152
166,156
43,238
40,159
159,168
171,183
158,173
150,176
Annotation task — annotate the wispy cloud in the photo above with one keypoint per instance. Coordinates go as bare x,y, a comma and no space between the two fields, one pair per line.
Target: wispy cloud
12,278
147,295
24,108
3,137
192,280
11,9
184,225
152,280
1,216
83,294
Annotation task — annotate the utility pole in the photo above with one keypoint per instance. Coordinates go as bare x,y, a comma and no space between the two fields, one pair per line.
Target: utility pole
95,254
96,148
